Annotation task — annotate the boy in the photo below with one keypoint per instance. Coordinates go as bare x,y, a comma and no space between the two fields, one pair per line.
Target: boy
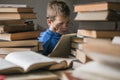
57,19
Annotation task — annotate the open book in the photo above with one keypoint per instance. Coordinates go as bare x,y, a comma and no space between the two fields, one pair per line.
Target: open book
62,48
25,61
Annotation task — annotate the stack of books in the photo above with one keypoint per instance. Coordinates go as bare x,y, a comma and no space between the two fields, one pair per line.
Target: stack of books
104,11
76,49
98,25
97,20
17,31
106,60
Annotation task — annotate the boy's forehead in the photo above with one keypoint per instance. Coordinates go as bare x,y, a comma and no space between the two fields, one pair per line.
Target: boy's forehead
62,18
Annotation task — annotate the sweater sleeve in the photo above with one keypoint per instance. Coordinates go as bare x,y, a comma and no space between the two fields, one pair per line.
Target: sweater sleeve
49,39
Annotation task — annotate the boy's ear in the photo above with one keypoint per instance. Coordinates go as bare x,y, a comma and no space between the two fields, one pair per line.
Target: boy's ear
49,21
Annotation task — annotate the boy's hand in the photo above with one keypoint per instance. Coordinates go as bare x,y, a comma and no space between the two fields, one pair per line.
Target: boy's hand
58,28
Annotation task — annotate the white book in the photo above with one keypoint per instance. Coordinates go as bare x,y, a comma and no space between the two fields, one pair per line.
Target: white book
97,16
116,40
13,5
97,71
24,61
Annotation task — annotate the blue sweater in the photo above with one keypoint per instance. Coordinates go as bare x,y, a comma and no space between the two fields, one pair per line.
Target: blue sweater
49,40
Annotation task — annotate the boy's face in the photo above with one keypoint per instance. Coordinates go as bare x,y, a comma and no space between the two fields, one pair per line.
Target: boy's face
59,25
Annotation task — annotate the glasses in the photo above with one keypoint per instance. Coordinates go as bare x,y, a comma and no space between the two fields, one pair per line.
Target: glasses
63,24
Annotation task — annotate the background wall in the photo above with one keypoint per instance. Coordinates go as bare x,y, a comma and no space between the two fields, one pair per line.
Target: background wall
40,10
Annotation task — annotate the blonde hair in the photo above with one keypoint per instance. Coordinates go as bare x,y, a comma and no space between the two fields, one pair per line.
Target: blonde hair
57,8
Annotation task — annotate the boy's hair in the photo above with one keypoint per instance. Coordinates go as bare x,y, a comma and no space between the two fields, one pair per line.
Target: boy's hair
57,8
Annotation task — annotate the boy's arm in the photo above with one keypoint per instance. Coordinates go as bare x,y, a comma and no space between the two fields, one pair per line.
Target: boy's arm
48,40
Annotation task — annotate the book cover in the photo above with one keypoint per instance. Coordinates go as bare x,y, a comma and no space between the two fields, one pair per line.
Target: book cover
16,10
26,61
19,43
98,33
98,16
98,25
20,35
97,6
15,28
17,16
102,50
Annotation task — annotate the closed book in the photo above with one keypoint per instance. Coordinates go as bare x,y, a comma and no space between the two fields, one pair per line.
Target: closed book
98,25
15,9
15,28
76,39
97,6
5,51
20,35
98,34
16,16
9,22
76,45
81,55
98,16
103,51
19,43
13,5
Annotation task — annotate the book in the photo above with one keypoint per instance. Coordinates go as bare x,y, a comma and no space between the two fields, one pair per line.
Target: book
24,61
15,28
67,75
63,46
97,6
102,50
116,40
98,33
9,22
76,39
16,10
81,56
20,35
98,16
76,45
13,5
27,61
35,75
5,51
19,43
63,63
98,25
96,71
17,16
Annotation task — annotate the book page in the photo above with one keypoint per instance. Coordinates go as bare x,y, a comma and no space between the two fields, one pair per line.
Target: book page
63,63
29,60
62,48
6,66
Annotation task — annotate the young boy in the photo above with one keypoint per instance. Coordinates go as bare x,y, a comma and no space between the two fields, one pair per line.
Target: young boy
57,19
